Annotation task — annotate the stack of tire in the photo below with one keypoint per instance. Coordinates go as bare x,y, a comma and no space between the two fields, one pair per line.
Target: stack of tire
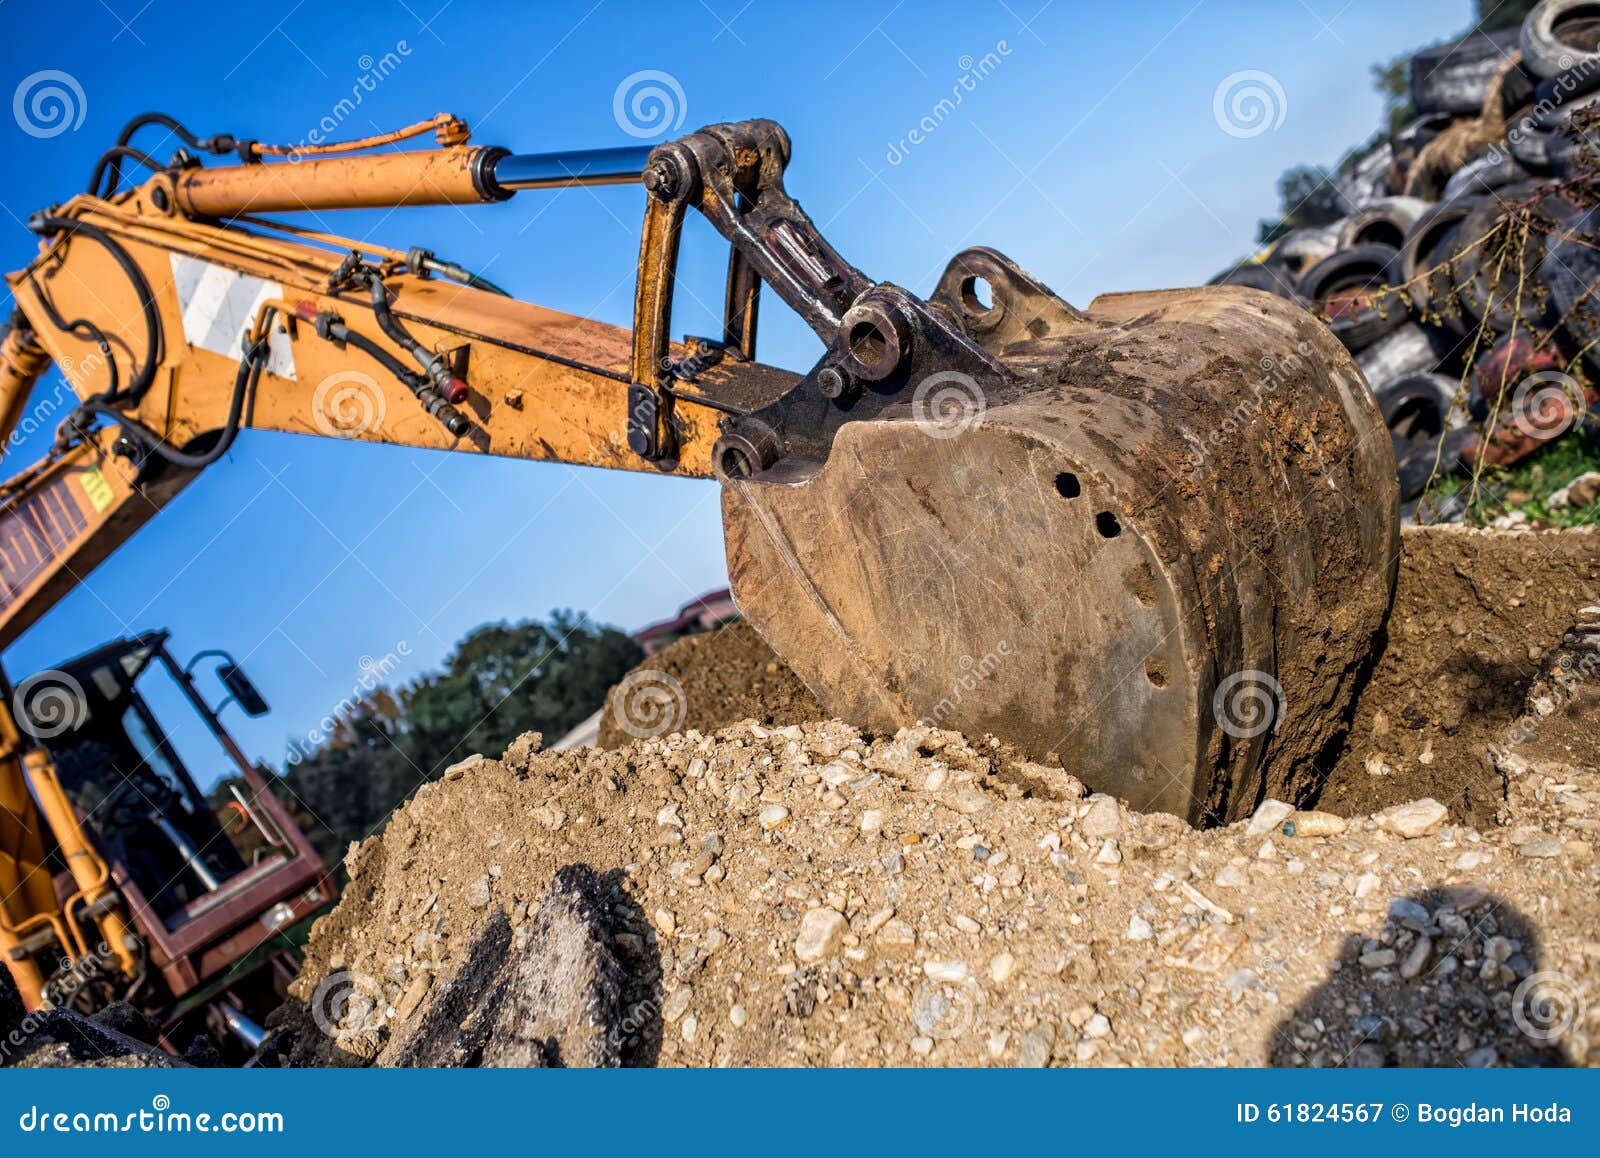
1445,327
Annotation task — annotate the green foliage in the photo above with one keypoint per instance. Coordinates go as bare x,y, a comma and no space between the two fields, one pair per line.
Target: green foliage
1527,486
1306,196
1392,79
1496,14
502,680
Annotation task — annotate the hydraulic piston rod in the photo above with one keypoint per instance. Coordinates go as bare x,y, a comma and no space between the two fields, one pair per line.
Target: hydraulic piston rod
458,175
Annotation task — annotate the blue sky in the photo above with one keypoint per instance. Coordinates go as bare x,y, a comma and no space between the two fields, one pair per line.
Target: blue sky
1086,145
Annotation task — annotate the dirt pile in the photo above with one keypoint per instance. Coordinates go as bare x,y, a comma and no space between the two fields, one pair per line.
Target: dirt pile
805,895
721,677
1477,613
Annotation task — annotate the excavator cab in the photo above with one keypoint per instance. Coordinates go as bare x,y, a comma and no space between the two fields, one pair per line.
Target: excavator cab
145,792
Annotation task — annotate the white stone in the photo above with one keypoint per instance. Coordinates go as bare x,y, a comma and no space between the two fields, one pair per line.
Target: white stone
1269,817
951,972
1418,818
772,816
821,932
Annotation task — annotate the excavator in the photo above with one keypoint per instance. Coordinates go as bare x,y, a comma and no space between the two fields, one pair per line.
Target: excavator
1151,542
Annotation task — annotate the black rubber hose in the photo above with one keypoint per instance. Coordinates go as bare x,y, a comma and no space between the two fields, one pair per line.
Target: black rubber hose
249,370
147,304
388,361
390,325
217,145
111,159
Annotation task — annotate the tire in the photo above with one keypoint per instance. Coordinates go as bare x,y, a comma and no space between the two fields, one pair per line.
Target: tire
1497,287
1561,34
1530,145
1409,349
1367,179
1454,77
1565,88
1346,285
1421,406
1483,176
1385,221
1553,116
1261,275
1425,248
1571,269
1301,249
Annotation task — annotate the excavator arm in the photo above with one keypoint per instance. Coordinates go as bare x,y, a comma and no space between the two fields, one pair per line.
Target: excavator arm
1152,540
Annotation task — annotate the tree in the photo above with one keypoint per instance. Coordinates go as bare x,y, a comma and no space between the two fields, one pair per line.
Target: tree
502,680
1306,196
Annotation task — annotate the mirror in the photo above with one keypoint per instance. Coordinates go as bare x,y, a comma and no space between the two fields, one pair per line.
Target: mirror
243,691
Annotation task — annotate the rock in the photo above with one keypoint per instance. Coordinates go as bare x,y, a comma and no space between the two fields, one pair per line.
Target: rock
1481,1058
922,1046
872,820
1417,958
1418,818
772,816
738,1016
481,893
1034,1052
668,817
1269,815
896,939
1232,877
1378,959
822,932
676,1004
1097,1026
1581,492
1109,853
1103,818
1306,824
461,767
1366,884
950,972
1546,847
1001,966
1139,929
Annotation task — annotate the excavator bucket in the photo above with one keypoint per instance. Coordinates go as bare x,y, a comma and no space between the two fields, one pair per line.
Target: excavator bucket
1155,541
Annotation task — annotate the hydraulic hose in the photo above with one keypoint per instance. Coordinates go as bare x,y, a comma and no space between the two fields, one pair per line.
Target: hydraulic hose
48,223
244,381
